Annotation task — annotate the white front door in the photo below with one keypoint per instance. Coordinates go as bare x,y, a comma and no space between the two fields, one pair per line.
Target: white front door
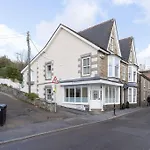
96,97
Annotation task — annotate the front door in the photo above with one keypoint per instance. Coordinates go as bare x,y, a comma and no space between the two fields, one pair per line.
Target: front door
96,97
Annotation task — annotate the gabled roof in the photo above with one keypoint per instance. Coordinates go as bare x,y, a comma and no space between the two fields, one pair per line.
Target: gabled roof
125,46
99,34
61,26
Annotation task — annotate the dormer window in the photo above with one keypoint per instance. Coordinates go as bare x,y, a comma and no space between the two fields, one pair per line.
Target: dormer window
111,44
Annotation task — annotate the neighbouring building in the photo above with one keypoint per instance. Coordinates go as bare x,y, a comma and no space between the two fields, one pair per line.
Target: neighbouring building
94,69
129,69
143,87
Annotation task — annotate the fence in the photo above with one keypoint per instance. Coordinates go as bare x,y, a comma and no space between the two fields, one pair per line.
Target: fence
9,82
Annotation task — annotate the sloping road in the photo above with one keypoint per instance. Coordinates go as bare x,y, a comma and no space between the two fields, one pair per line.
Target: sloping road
130,132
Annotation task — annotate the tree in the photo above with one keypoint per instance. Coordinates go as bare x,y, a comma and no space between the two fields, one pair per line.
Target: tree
13,73
4,61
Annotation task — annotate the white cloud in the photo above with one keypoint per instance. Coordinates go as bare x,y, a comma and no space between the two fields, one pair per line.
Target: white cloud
144,56
77,14
144,15
122,2
12,42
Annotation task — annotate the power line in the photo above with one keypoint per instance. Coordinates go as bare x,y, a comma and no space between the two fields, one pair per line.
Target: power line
37,48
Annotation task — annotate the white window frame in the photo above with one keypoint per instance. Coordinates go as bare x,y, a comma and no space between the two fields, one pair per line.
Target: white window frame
87,66
112,65
130,74
46,71
132,95
74,102
114,99
134,76
111,44
46,94
124,72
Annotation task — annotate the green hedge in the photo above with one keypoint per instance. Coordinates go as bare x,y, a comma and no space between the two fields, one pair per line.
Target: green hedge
32,96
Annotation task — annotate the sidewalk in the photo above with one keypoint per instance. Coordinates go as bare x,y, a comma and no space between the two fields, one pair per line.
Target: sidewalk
38,129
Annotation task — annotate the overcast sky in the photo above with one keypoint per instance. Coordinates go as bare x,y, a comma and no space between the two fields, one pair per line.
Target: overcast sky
41,18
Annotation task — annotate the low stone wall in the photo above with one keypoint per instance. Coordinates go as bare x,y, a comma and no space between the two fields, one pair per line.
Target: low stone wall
111,107
21,96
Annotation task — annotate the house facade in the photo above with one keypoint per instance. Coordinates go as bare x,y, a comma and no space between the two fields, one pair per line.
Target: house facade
88,65
129,69
143,87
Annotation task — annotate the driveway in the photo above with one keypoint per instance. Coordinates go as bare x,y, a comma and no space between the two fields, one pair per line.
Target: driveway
20,113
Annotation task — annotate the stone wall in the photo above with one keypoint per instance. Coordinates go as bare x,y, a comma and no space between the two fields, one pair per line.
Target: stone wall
21,96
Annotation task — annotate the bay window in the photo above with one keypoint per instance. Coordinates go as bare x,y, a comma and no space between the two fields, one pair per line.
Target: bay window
111,48
124,73
76,94
113,66
111,95
132,95
132,74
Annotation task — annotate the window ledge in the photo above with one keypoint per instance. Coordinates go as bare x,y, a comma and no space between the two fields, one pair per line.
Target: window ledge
112,103
76,103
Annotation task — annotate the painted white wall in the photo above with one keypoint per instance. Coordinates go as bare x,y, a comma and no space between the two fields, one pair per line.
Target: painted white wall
64,51
10,83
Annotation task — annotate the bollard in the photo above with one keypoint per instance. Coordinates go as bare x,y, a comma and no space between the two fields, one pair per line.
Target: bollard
114,110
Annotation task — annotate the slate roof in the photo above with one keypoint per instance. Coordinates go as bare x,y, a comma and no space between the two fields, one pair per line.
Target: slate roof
99,34
125,46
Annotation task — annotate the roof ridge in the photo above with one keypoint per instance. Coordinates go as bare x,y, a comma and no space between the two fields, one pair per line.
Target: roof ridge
130,37
97,24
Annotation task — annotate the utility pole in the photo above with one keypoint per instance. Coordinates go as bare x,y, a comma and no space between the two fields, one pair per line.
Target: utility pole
29,65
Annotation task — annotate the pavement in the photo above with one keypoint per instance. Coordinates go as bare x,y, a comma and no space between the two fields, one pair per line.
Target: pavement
129,132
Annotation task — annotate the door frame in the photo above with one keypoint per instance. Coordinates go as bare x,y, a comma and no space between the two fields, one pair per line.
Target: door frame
99,88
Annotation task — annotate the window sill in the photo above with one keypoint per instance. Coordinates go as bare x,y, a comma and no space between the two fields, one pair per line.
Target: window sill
86,75
112,103
76,103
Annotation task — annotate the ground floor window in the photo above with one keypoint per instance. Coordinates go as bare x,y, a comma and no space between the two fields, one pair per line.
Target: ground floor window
49,94
111,95
77,94
132,95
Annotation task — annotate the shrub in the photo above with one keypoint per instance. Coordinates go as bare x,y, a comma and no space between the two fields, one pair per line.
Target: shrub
32,96
127,104
123,106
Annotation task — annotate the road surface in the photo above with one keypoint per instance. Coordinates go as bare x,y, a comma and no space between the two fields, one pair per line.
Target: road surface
130,132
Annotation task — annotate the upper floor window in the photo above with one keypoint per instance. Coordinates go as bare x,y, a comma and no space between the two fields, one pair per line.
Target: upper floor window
130,59
134,76
110,67
112,44
86,66
123,73
114,67
130,74
48,71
